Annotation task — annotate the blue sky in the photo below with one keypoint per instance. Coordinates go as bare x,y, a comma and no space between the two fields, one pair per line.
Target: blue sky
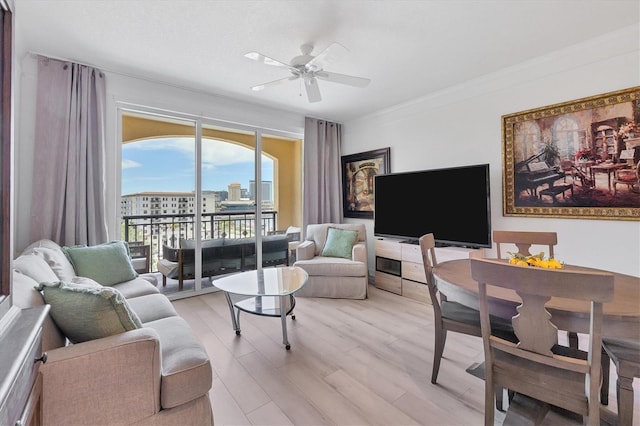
167,165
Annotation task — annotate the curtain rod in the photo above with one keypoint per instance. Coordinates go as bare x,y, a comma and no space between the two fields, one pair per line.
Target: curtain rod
35,55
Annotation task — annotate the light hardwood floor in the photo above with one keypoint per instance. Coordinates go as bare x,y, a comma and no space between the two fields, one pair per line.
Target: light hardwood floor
352,362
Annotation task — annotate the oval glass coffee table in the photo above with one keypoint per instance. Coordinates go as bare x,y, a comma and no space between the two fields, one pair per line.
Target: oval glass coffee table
270,292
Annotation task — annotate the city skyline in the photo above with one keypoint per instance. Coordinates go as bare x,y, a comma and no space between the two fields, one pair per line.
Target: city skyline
168,165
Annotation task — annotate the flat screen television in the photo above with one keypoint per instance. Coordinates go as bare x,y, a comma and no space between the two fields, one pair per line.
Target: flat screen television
452,203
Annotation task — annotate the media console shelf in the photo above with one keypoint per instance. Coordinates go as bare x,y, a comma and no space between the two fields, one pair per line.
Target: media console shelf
399,267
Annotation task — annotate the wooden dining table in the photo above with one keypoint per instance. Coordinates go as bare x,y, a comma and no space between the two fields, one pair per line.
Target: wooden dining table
621,315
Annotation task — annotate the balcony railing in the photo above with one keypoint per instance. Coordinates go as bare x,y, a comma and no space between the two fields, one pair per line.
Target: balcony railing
156,230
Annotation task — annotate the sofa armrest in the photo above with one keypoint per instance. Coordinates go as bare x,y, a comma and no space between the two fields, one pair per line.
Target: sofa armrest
359,253
113,380
306,250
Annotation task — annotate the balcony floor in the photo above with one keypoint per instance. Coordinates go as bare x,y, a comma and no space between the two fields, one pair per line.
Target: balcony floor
188,286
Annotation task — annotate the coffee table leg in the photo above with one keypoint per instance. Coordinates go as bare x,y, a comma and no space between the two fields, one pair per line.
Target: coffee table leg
234,320
283,319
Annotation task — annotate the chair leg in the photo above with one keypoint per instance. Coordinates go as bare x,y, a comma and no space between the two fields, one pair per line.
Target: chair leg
164,281
489,397
624,391
500,398
440,339
605,362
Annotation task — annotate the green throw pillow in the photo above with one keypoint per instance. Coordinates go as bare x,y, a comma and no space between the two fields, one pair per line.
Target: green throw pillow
339,243
107,263
88,311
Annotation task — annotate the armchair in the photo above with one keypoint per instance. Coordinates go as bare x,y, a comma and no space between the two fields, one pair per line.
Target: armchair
333,277
293,237
629,177
140,256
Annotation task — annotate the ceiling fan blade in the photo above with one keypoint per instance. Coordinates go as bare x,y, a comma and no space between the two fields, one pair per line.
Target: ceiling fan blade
331,54
259,57
271,83
313,91
343,79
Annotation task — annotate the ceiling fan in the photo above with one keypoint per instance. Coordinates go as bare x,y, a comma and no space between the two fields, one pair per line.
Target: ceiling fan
310,69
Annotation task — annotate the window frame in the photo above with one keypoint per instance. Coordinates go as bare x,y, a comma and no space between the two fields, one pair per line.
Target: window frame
6,154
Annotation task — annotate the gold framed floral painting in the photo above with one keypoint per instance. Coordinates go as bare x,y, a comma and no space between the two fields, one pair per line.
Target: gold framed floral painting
358,172
577,159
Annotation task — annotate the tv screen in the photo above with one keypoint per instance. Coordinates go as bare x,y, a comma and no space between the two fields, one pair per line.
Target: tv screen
452,203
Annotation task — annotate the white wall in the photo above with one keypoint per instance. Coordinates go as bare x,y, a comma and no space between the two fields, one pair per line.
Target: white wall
135,91
462,125
457,126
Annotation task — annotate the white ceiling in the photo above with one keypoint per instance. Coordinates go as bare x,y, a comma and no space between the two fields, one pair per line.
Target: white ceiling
408,49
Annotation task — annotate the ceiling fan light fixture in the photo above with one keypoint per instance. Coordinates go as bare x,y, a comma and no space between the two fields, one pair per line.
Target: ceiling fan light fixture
308,67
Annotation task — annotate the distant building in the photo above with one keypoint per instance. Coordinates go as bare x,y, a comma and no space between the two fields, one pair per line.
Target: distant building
236,199
267,190
168,203
235,191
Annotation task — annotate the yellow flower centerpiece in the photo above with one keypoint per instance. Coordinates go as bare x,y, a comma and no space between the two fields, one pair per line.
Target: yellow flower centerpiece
536,260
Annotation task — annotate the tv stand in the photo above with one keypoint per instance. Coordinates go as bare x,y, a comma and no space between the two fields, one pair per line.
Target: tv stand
399,267
411,241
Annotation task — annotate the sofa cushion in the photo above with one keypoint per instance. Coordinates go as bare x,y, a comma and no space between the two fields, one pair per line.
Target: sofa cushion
45,243
339,243
58,262
151,307
186,370
107,263
34,267
88,311
135,288
26,296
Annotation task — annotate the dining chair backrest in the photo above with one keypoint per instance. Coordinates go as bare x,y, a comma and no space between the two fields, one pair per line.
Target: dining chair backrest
523,240
427,248
555,376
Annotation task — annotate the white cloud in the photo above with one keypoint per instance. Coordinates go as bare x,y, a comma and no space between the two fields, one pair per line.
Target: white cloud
214,152
130,164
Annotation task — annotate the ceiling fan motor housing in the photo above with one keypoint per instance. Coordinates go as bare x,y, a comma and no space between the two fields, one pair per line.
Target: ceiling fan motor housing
309,67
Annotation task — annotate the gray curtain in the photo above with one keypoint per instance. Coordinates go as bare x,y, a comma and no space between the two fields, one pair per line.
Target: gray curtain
68,203
322,183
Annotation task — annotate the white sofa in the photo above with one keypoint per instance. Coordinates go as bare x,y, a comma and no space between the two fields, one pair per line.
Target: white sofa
159,374
333,277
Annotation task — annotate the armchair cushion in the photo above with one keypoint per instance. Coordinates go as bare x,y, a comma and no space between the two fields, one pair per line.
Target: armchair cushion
114,264
333,267
339,243
88,311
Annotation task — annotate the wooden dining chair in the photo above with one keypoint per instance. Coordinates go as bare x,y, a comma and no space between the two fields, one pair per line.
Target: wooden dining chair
523,240
536,365
625,355
452,316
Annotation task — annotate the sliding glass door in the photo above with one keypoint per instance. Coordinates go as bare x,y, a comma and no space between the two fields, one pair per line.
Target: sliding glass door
190,194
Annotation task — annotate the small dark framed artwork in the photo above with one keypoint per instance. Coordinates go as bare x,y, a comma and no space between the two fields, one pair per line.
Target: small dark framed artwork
358,172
